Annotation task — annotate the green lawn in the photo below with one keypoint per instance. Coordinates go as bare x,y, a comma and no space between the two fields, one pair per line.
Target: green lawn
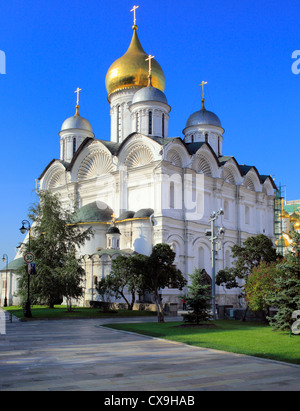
233,336
60,312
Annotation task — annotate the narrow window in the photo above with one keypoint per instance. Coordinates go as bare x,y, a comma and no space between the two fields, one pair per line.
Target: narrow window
219,146
172,195
74,145
150,123
192,138
163,125
206,138
247,215
118,123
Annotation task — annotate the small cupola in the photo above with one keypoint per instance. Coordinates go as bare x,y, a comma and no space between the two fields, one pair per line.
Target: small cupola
73,131
113,235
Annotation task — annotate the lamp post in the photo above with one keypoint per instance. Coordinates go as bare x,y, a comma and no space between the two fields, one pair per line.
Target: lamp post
27,310
5,257
214,215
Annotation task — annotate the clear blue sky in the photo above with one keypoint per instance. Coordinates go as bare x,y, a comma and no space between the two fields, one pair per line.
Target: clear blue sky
241,48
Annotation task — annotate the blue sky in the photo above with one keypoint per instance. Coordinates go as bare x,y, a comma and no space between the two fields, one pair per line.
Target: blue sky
242,49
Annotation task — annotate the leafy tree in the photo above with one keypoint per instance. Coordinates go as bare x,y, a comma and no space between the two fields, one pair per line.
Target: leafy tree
54,240
286,297
199,299
104,289
246,257
126,276
71,275
158,271
260,286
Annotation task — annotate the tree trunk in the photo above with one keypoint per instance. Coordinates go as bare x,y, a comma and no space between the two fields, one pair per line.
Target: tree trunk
159,308
244,315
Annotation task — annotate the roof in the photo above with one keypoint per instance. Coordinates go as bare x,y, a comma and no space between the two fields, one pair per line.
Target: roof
113,251
96,211
14,265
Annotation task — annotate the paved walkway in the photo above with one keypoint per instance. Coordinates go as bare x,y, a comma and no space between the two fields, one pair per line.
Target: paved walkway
65,355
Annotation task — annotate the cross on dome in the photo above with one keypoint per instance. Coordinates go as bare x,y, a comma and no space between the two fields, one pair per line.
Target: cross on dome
150,69
134,14
77,103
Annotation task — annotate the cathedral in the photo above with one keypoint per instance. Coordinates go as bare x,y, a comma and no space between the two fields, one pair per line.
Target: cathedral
143,187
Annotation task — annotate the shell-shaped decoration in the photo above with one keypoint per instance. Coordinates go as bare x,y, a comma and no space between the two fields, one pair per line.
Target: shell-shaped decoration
228,176
174,158
139,156
202,166
57,179
249,183
95,164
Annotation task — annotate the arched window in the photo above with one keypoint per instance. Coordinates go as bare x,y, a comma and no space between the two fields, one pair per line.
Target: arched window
74,145
192,138
163,125
201,261
206,138
150,123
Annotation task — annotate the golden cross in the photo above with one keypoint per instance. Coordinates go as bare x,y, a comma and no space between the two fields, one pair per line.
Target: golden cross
134,16
202,84
113,217
77,91
149,58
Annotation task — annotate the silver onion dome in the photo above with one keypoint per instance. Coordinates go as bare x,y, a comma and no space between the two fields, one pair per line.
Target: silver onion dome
203,116
78,122
149,93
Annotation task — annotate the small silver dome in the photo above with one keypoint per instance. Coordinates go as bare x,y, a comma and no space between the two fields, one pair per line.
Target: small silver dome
203,116
149,93
76,121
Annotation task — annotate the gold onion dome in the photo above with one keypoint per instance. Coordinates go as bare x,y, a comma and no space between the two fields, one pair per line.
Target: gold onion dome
131,70
297,225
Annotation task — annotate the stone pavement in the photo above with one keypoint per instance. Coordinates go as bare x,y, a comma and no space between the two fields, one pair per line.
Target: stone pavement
81,355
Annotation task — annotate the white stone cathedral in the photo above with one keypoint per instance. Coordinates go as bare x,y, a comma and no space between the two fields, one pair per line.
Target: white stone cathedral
144,187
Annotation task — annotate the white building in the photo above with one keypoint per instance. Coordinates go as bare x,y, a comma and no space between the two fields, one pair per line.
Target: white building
161,189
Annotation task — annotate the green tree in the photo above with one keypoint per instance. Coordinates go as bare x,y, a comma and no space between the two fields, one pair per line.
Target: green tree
286,297
125,276
260,286
158,271
104,289
199,299
54,241
253,251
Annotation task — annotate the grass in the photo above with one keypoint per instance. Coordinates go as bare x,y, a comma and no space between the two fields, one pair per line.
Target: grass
40,312
248,338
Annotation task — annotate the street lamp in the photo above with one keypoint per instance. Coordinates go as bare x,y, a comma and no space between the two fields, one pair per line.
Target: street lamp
214,236
27,310
5,257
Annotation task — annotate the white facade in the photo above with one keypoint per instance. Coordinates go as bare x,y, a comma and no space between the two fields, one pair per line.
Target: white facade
160,189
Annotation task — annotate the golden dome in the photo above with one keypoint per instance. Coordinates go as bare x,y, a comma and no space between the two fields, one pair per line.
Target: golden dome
131,70
297,225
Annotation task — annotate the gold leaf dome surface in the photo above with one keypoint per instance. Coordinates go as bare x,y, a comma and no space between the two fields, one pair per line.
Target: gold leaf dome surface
131,70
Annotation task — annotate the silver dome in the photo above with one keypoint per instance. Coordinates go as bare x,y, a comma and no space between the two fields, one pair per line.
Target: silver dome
149,94
203,116
76,122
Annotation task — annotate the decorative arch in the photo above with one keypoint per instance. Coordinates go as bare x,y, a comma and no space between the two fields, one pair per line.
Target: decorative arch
140,155
202,165
174,157
54,177
248,183
96,163
229,176
57,179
